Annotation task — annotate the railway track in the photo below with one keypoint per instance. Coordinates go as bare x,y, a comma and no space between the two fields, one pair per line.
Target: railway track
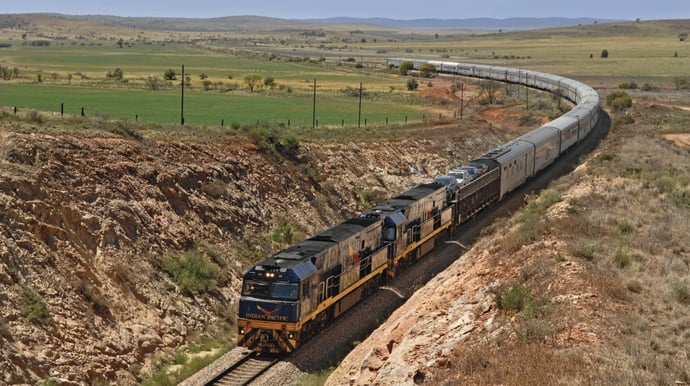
244,371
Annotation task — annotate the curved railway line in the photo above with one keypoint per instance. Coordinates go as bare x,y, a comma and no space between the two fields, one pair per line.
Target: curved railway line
571,128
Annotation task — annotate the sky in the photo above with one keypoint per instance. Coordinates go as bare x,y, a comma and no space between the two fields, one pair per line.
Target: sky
394,9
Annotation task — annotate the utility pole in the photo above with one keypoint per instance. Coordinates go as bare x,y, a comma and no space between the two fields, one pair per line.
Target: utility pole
359,115
313,113
182,100
462,99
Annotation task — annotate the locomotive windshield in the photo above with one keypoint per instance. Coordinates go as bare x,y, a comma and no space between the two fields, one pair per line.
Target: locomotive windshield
283,291
256,288
287,291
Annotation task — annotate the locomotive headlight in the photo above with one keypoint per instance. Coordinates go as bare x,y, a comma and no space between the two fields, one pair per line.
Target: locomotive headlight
291,335
241,330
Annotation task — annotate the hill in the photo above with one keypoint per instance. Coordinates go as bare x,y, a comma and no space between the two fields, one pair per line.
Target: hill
488,24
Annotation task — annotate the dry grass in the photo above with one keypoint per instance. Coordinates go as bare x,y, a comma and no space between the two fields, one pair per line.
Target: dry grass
602,297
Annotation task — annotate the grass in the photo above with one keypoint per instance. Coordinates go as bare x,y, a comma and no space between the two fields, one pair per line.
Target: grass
531,224
585,249
204,108
181,365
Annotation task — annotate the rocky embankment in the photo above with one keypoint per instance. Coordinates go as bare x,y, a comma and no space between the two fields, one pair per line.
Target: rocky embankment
86,222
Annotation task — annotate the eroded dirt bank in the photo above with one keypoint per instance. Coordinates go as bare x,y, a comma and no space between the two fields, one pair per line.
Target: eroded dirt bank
87,223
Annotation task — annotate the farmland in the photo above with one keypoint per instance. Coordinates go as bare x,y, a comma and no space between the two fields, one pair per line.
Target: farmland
72,70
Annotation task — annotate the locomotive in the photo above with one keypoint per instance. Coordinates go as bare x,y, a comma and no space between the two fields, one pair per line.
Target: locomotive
295,293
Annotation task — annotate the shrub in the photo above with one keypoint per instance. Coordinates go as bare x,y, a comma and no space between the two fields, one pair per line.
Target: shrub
216,188
427,70
35,308
35,117
288,145
681,83
262,137
618,100
622,258
192,271
584,249
412,84
628,85
405,67
370,197
604,53
680,292
282,233
513,298
625,227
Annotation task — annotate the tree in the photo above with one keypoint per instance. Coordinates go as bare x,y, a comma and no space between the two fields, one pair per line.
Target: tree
427,70
120,43
116,74
252,80
405,67
270,82
153,82
170,74
7,73
605,53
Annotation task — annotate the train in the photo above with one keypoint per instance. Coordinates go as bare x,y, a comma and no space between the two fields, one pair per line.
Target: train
295,293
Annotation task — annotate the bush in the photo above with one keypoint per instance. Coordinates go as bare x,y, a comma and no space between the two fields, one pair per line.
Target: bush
36,117
513,298
192,272
412,84
605,53
628,85
584,249
618,100
35,308
288,146
262,137
622,258
625,227
282,233
680,292
405,67
427,70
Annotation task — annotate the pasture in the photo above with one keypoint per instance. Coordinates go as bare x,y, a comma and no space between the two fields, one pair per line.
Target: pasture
75,76
73,69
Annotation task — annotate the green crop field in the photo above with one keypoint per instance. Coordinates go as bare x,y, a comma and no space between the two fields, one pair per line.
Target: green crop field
203,108
72,70
75,77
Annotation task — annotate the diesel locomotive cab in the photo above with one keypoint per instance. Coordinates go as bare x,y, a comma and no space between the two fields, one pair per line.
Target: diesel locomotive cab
269,308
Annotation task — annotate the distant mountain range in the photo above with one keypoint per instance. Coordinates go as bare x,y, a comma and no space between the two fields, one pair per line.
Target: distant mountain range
510,24
253,23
